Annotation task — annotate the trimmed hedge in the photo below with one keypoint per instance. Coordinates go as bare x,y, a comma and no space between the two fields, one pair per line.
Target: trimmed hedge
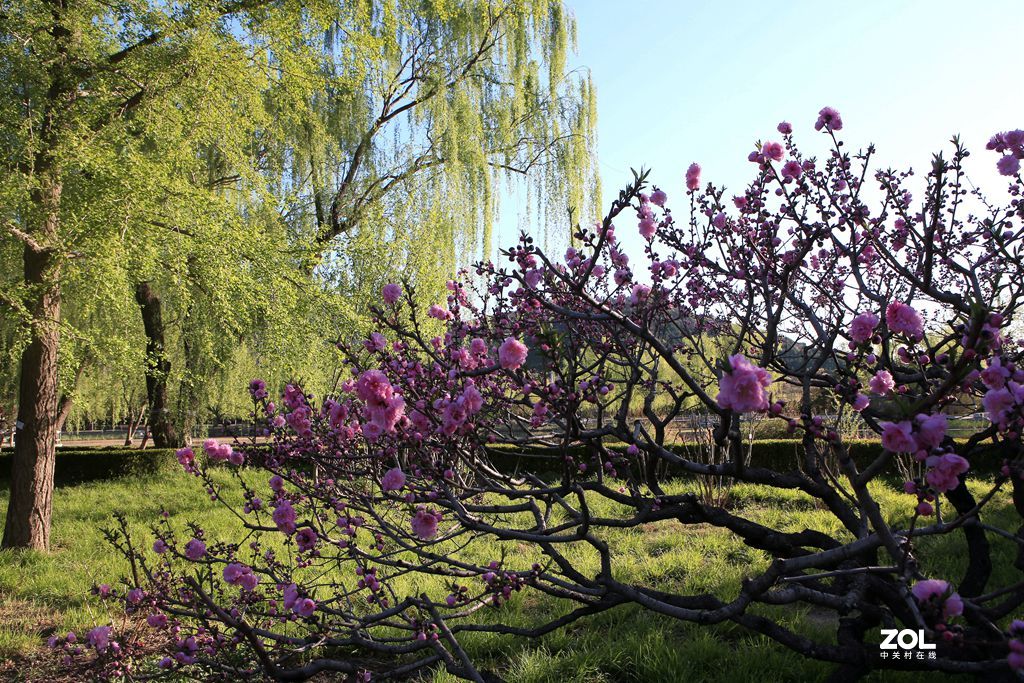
778,454
76,465
79,465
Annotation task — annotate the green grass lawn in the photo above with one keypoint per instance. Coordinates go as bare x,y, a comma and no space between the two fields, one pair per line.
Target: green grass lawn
45,593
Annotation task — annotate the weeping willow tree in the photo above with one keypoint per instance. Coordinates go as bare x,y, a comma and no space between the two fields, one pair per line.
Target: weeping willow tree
426,108
113,119
385,134
196,189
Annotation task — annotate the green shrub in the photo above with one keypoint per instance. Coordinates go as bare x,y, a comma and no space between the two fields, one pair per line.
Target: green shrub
91,464
777,454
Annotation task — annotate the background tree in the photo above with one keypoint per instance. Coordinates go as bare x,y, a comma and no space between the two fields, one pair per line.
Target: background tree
184,162
369,118
79,123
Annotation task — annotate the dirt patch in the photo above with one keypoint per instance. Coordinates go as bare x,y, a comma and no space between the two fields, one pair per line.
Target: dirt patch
24,616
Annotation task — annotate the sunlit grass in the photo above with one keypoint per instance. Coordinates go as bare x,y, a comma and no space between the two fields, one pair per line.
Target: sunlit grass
45,593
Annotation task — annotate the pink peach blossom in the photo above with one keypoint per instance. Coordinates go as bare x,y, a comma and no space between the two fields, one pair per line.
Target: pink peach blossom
512,353
393,480
863,327
424,523
284,517
693,177
882,383
391,293
829,119
931,430
898,437
945,470
743,388
901,318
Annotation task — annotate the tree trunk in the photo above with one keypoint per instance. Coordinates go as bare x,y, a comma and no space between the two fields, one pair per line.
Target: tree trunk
188,393
64,406
157,368
135,420
35,452
194,372
67,400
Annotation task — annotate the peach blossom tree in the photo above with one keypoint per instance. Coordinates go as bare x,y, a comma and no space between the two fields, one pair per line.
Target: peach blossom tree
822,278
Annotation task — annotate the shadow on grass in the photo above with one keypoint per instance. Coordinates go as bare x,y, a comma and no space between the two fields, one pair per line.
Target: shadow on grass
44,593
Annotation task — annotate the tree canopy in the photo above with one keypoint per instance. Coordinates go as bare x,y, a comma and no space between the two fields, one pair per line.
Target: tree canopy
242,173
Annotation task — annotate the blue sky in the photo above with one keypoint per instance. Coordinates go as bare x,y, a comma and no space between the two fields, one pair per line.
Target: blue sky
701,81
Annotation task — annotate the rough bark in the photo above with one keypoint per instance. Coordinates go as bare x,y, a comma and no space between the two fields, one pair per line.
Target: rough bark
191,378
67,399
158,368
67,402
134,420
979,551
31,503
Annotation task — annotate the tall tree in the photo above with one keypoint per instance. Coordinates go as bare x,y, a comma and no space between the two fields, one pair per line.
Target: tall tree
84,76
426,108
384,133
187,154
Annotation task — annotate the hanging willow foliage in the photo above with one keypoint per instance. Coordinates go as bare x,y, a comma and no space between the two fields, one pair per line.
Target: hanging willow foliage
265,166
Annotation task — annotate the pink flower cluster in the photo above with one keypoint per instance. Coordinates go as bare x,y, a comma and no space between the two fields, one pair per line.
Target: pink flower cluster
99,638
926,433
284,517
299,416
944,471
258,389
439,313
306,538
383,406
157,620
187,458
471,358
456,412
1011,145
377,342
898,437
1005,396
882,382
924,439
648,223
743,388
766,154
1016,656
195,550
792,170
829,120
242,575
393,480
938,595
424,522
903,319
693,177
223,451
512,353
862,329
291,599
391,293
